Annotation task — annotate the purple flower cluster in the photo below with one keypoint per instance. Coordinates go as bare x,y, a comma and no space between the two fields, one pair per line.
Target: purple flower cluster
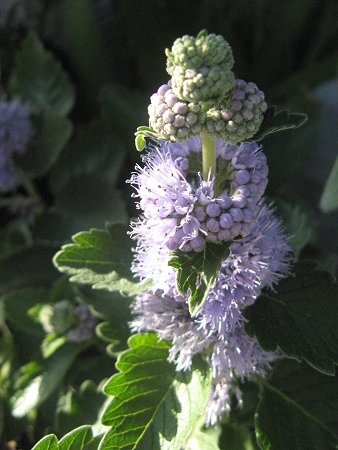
183,211
183,214
15,132
175,119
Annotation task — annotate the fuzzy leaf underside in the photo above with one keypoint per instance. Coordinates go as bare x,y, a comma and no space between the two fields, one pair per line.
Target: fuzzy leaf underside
197,272
154,406
301,318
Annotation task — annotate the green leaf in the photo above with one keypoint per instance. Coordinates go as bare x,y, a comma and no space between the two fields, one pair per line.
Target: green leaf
197,272
101,258
39,80
298,408
329,198
235,437
141,134
203,438
79,439
140,143
44,379
17,305
52,133
154,407
115,309
76,439
77,407
49,442
300,319
277,121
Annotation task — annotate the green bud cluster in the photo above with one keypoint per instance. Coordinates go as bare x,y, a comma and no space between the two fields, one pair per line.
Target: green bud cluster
206,50
203,95
200,67
201,85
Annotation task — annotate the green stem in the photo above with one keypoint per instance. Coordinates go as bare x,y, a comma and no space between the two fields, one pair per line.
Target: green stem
208,156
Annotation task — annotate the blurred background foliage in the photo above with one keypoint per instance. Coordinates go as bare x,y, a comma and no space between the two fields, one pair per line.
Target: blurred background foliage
107,59
113,52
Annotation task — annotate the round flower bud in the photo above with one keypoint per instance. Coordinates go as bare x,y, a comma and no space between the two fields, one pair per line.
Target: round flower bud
204,84
239,118
173,119
206,50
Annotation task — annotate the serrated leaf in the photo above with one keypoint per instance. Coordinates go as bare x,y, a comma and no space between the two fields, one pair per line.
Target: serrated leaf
329,198
39,80
197,272
300,319
76,439
49,442
277,121
101,258
79,439
298,408
154,406
52,133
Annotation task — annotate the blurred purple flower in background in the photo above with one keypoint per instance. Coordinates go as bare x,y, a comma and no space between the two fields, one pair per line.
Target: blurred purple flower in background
15,132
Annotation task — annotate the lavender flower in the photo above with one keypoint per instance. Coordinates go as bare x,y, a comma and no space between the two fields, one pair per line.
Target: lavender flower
172,118
15,132
184,214
256,261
